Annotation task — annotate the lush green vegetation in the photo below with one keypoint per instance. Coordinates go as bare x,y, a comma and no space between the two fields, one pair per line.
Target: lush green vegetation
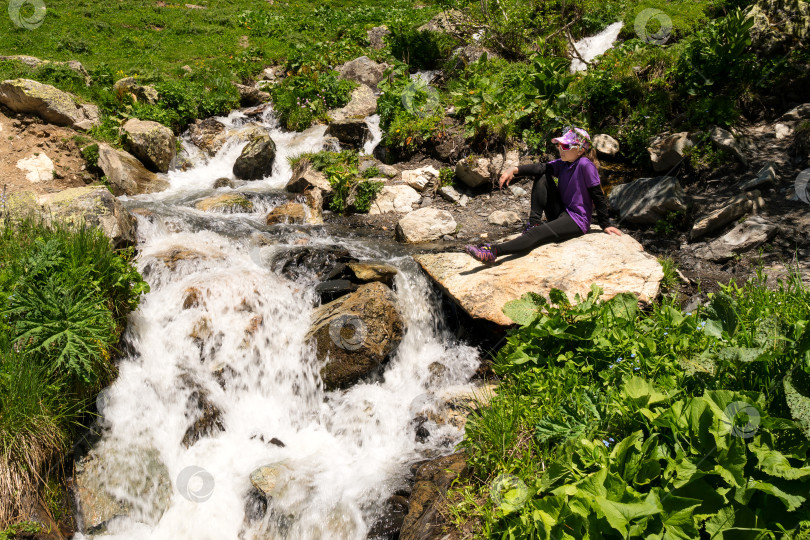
65,294
352,191
618,423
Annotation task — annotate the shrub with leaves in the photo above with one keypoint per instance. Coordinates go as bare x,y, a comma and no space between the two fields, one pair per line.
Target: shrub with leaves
663,424
304,97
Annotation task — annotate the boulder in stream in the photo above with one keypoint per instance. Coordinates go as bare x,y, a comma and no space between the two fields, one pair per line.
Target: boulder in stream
305,177
227,203
93,206
151,142
126,175
352,132
433,478
208,135
355,334
257,158
615,263
121,480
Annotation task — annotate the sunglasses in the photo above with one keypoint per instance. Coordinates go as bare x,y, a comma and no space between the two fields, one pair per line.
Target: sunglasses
564,146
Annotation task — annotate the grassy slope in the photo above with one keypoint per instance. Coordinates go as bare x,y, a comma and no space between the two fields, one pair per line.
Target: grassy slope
133,36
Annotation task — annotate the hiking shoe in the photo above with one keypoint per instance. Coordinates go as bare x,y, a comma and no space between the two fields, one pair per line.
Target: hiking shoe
484,254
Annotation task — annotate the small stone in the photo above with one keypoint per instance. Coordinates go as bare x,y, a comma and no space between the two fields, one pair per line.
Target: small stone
605,144
463,201
517,191
504,218
450,194
782,131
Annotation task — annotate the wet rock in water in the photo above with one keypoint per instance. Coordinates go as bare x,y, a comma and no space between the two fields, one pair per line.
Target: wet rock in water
362,103
425,225
355,334
257,158
292,213
49,103
175,256
305,177
394,199
351,132
129,87
271,479
504,218
106,479
433,478
367,271
728,211
387,527
615,263
207,418
93,206
362,70
456,405
667,152
192,298
305,261
749,234
334,288
223,183
150,142
227,203
126,174
605,144
208,135
648,200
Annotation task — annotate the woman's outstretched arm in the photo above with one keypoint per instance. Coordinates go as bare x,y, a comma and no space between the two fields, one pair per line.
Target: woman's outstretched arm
601,204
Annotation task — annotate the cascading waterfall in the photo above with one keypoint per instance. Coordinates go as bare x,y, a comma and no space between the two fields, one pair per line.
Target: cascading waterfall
592,46
220,328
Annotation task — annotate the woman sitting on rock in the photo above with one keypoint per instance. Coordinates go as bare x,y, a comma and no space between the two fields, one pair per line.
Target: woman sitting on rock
568,206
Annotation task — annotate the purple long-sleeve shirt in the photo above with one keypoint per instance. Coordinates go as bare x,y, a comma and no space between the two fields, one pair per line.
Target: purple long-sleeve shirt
577,182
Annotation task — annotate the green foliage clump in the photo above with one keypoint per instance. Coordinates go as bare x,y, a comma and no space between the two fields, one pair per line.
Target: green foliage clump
419,49
90,155
410,111
305,97
352,191
65,294
183,101
620,423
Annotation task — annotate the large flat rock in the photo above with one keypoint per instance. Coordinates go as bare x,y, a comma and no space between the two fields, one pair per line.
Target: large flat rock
615,263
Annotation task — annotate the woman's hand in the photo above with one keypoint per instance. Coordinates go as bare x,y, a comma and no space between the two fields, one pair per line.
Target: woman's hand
613,231
507,177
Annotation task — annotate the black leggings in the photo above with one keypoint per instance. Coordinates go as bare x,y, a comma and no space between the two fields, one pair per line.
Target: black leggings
559,225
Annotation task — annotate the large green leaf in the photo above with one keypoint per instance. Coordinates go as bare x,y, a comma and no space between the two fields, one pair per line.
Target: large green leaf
620,514
641,393
792,501
776,464
524,310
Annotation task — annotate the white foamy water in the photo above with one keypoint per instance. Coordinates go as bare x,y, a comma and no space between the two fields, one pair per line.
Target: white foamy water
220,324
592,46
